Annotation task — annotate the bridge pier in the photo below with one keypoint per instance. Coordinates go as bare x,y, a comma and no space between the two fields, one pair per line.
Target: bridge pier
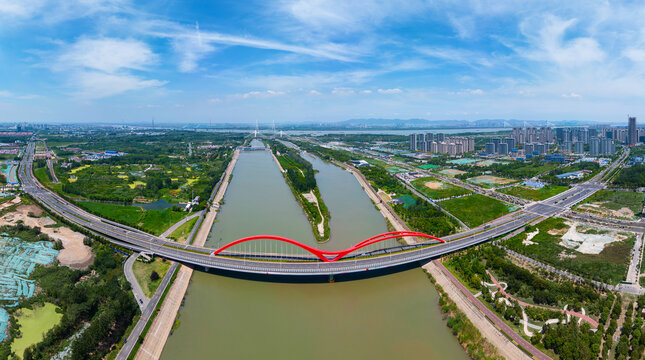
331,278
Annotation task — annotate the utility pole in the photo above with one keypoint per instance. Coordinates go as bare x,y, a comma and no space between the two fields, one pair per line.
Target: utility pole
153,123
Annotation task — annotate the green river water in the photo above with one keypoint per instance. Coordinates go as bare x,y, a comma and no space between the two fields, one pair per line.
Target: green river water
389,317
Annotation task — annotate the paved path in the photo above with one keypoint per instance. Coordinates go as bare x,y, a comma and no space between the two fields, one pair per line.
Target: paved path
635,261
132,339
496,323
139,295
50,165
592,322
180,223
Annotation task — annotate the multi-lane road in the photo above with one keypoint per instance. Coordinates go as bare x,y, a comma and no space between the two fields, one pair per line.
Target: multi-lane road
199,256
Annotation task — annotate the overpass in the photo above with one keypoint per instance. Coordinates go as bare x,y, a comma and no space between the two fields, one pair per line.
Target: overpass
312,265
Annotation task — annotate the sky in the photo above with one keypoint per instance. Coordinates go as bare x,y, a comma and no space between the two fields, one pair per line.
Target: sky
122,61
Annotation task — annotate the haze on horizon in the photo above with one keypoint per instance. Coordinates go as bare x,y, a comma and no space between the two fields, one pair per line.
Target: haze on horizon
320,61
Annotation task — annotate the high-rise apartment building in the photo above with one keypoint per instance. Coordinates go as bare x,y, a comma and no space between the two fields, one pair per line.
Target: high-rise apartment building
632,132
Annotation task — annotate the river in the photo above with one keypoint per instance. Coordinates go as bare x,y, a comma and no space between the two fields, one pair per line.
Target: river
393,316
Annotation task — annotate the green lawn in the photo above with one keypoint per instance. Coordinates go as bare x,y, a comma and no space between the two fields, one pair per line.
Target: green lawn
182,232
143,270
530,193
152,221
475,209
128,215
33,324
442,189
610,265
604,202
42,174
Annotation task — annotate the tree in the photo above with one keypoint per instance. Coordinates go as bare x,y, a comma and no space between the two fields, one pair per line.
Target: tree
154,276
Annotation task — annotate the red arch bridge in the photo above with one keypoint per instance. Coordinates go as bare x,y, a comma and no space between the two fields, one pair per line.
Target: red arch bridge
324,262
331,256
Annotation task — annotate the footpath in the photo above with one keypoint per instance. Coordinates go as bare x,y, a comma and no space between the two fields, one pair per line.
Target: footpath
160,328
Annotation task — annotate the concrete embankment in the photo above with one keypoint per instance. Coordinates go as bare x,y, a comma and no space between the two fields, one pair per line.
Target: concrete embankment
276,161
159,331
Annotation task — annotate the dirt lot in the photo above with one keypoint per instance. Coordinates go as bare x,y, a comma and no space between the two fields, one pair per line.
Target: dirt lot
74,254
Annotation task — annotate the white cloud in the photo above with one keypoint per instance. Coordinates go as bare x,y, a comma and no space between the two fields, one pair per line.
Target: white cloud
314,92
457,56
102,67
463,25
106,54
259,94
9,94
24,8
389,91
56,11
572,95
343,91
367,92
181,35
94,84
549,43
191,50
341,16
214,100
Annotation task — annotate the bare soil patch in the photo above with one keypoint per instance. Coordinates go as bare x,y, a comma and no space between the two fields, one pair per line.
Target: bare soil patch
74,254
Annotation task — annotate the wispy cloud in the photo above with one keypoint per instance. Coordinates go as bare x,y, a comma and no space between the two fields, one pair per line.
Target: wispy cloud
572,95
258,94
389,91
457,56
11,95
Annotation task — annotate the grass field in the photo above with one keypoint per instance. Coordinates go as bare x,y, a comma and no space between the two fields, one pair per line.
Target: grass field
475,209
609,266
152,221
182,232
33,324
438,189
608,202
143,270
530,193
42,174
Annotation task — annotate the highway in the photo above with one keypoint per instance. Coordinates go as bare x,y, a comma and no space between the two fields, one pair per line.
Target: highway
199,256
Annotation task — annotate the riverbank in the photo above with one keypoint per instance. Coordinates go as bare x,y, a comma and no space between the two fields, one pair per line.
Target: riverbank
486,329
157,335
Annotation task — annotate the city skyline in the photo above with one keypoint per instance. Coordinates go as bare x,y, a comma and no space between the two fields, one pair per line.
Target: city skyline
314,61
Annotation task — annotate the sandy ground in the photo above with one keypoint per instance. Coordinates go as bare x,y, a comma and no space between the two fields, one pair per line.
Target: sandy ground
452,172
74,253
529,237
433,185
586,243
384,196
159,331
596,208
313,199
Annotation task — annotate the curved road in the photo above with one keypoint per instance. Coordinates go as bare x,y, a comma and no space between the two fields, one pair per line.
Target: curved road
199,256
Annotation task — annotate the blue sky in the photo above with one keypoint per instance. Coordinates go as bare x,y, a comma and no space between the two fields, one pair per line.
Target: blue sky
318,61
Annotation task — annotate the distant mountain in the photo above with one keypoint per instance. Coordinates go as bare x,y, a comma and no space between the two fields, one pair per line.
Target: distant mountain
423,123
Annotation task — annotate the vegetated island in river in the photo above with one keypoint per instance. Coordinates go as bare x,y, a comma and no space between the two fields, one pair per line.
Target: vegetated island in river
299,174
